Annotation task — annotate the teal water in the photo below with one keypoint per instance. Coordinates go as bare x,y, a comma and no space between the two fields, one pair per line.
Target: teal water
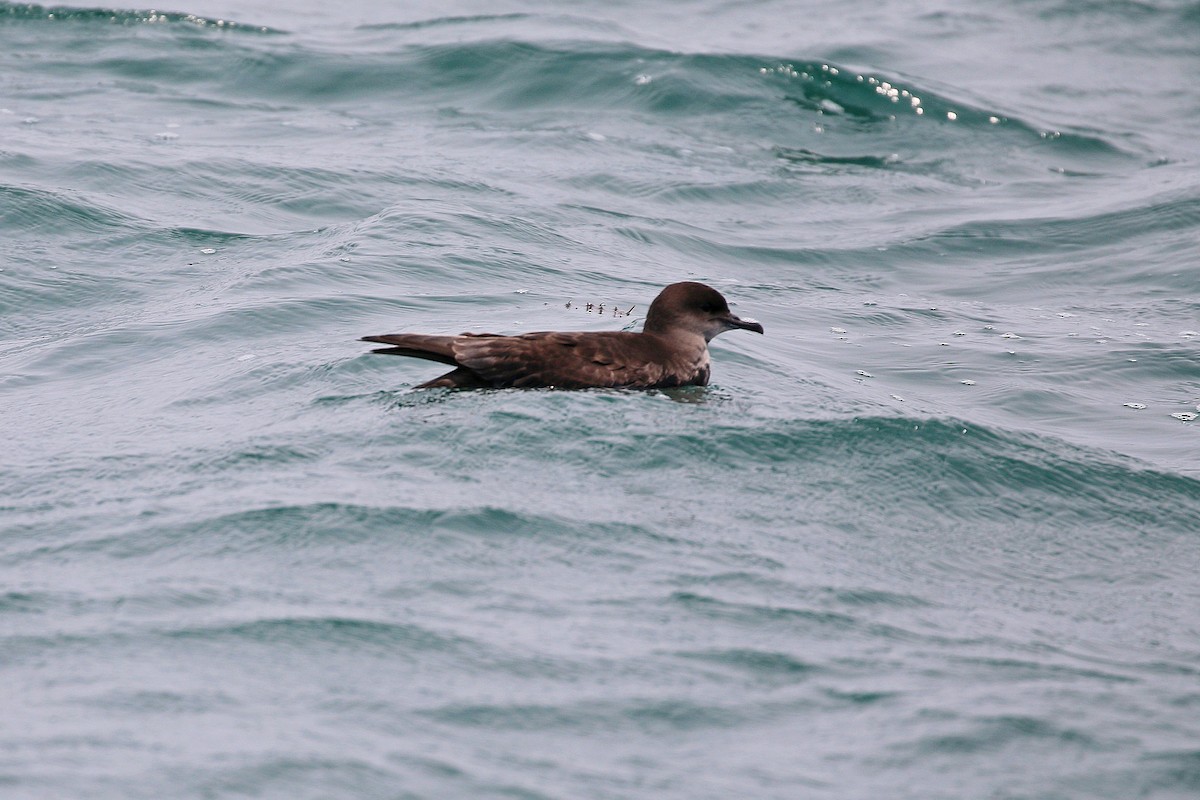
936,535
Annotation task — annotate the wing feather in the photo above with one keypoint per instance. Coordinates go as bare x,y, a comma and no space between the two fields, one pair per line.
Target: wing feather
566,360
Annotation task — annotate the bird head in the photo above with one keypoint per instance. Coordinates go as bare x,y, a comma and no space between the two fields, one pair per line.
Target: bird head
695,308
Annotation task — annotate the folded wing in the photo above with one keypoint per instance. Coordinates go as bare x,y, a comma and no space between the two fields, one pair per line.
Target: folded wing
570,360
564,360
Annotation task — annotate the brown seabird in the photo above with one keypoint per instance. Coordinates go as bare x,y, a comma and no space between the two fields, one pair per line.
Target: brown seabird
671,350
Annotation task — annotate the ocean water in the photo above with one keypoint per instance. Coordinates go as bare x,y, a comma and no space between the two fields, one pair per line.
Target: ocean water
935,535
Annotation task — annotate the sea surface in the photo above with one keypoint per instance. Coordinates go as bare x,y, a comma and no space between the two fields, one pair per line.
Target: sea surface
935,535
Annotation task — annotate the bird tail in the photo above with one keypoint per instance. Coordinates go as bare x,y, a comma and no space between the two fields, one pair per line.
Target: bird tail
416,345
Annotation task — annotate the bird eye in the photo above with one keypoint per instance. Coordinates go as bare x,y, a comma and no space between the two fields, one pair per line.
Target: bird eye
707,308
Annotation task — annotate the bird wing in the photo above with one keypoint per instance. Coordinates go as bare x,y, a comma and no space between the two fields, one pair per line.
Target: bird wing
572,360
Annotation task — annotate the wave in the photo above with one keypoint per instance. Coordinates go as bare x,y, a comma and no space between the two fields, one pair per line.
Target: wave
783,95
32,12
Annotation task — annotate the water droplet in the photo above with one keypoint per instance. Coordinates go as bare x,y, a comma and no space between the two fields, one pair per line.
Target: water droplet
865,374
967,382
208,251
1185,416
837,330
1135,406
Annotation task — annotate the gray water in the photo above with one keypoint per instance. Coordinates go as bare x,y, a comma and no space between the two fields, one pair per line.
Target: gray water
933,536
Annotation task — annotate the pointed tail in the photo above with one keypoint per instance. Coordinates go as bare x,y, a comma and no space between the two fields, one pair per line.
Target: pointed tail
416,345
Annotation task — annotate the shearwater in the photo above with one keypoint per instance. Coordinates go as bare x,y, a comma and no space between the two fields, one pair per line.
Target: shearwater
671,350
